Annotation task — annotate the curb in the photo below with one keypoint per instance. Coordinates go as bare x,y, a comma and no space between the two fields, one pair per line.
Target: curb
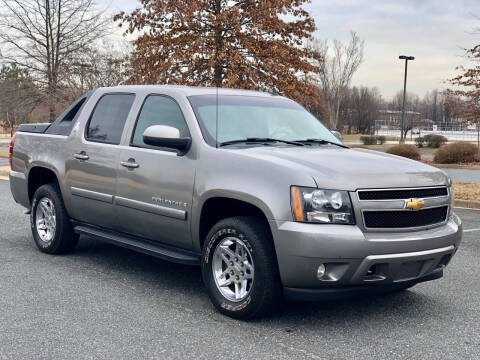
469,204
453,166
4,178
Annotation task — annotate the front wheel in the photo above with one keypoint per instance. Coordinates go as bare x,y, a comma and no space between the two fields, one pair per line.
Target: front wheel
239,268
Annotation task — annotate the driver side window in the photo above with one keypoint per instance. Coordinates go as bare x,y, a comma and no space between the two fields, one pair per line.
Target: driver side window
158,110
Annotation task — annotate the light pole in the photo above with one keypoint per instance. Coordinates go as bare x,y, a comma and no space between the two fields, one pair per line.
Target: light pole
402,123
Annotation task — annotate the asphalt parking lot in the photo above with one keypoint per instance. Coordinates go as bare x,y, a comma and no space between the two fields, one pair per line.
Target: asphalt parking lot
111,303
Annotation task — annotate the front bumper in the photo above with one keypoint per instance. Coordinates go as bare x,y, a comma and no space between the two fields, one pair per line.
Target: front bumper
354,258
338,293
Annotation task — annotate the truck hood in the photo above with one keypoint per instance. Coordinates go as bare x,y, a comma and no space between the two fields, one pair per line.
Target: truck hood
351,169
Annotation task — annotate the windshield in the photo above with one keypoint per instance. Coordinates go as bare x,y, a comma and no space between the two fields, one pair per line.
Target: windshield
244,117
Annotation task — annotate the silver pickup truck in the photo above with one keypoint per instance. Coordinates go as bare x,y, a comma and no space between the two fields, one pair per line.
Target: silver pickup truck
248,185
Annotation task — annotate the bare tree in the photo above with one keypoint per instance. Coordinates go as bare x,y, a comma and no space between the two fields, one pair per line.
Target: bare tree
41,35
412,109
432,105
341,61
359,109
99,66
18,97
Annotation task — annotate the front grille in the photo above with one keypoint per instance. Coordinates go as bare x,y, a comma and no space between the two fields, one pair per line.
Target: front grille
402,194
404,219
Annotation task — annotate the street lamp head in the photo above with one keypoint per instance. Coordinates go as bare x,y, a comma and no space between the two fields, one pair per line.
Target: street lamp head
404,57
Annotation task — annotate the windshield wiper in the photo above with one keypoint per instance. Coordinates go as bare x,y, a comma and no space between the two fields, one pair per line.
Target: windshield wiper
321,141
260,140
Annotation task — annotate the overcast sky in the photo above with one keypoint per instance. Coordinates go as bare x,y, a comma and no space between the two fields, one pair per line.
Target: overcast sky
434,31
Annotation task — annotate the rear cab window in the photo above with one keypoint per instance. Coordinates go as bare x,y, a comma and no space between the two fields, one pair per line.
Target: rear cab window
108,118
63,125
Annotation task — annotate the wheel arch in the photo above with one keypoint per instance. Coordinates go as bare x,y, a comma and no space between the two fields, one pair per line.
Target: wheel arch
220,205
39,175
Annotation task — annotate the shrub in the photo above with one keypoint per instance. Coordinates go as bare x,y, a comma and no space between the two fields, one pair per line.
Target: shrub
381,139
368,140
419,141
408,151
435,141
457,153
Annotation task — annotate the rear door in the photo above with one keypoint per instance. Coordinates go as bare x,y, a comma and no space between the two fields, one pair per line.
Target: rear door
155,185
91,171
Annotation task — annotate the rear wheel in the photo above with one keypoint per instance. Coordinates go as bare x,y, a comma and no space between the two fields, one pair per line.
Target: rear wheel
51,227
239,268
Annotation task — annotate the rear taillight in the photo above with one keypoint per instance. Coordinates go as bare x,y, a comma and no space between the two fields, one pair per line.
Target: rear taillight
10,150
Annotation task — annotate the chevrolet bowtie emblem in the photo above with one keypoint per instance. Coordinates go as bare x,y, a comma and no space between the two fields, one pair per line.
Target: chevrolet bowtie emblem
414,204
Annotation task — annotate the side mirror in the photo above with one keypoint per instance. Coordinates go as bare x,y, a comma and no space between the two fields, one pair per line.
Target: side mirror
166,137
337,134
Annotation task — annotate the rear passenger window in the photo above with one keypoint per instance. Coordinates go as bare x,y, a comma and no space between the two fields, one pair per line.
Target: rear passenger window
108,118
158,110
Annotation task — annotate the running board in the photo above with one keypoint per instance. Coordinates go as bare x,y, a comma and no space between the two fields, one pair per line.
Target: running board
165,252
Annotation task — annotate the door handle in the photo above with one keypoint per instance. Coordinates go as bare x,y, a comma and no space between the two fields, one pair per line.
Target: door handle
131,164
81,156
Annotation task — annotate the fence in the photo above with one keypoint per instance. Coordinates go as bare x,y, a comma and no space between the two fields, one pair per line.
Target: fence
451,132
450,135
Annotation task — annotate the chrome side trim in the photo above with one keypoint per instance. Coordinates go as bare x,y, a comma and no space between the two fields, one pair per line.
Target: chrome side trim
151,208
18,175
92,195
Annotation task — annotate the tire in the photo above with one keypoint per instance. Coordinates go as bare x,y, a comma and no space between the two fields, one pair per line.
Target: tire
51,227
244,245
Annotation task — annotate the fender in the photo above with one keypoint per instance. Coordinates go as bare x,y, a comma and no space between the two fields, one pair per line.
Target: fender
199,202
42,164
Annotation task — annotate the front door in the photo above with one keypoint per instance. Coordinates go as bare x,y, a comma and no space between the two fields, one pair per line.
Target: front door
155,185
91,171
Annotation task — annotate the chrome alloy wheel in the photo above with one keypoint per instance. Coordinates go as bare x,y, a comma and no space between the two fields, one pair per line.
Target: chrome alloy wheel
232,267
45,220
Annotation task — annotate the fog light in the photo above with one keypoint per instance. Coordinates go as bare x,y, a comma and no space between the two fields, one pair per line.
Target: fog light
321,271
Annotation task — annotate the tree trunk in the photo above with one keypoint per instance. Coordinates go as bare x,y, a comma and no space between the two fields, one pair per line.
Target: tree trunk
51,109
478,138
331,114
337,114
8,122
12,125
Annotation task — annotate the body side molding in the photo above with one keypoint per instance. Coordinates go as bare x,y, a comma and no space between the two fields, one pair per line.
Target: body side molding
92,195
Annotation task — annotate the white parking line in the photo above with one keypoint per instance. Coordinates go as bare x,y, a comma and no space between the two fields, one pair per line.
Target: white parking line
470,230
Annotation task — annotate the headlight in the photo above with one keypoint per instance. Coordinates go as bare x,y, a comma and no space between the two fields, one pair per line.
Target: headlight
321,206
